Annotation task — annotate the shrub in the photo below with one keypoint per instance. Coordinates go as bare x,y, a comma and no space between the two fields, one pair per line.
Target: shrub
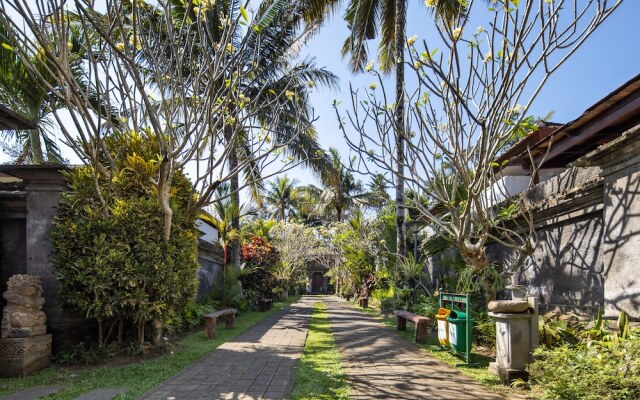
587,362
257,277
597,372
109,254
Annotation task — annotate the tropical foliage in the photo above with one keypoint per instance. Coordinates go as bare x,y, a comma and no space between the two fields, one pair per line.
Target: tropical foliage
109,262
587,361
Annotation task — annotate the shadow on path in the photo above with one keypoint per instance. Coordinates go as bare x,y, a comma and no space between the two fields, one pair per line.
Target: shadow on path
380,364
258,364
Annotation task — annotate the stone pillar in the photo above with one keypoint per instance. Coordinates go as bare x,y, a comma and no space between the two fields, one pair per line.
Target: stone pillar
516,337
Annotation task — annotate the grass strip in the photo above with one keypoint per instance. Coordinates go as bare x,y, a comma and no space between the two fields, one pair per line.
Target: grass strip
478,372
320,373
138,377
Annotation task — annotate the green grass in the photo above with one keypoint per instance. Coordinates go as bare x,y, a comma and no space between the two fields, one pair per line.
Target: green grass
320,373
478,372
138,377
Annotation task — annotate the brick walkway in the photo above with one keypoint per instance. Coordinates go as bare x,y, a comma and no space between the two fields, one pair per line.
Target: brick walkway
381,364
260,363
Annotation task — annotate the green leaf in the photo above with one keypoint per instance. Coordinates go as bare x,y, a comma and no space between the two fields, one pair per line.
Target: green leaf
6,46
244,13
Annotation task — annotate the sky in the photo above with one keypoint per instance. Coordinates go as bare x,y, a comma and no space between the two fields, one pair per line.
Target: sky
609,58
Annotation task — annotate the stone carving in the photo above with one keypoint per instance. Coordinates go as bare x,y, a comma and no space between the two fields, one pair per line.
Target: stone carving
24,346
23,315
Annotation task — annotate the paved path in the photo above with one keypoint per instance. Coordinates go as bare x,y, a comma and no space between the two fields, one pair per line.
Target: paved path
260,363
381,364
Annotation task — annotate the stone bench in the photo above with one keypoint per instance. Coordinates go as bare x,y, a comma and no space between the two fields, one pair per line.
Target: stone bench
265,304
210,321
420,322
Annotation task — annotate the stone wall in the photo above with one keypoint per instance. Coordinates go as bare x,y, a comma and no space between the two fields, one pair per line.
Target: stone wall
620,163
565,270
28,210
588,225
210,272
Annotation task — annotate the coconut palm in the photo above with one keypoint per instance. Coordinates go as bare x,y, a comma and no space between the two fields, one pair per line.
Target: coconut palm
377,195
281,197
307,199
20,91
342,192
363,18
273,44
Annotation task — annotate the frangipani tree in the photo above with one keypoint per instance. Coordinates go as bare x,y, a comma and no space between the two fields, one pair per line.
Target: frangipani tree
159,68
472,88
297,245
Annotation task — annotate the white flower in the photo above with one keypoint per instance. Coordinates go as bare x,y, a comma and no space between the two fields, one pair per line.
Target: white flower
369,66
412,40
455,35
479,30
430,3
373,86
289,94
120,46
488,57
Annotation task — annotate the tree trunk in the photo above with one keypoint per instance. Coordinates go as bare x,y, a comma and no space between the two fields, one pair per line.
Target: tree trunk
140,334
235,195
156,339
165,177
401,11
36,147
120,330
100,333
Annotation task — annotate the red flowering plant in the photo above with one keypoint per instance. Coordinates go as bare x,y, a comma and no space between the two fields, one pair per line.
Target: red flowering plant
259,256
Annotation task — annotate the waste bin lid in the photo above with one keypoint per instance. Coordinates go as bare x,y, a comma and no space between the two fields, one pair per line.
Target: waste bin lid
457,315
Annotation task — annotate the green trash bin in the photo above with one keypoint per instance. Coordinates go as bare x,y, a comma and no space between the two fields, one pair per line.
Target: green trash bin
458,331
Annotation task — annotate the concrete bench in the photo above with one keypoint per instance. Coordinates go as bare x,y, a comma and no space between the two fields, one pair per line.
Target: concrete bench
265,304
420,322
210,321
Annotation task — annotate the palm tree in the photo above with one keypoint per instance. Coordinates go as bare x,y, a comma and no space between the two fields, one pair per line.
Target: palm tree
377,196
221,215
363,17
272,47
342,192
20,91
306,205
281,198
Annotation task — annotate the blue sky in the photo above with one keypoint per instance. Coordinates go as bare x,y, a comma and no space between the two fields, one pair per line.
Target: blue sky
609,58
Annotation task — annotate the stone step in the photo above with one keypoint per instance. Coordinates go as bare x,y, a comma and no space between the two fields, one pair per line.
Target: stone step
33,393
102,394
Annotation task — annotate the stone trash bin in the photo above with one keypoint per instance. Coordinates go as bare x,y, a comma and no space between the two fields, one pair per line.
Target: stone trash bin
24,347
516,336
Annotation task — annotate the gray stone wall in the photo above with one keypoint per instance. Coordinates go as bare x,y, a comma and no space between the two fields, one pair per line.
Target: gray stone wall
620,163
211,267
